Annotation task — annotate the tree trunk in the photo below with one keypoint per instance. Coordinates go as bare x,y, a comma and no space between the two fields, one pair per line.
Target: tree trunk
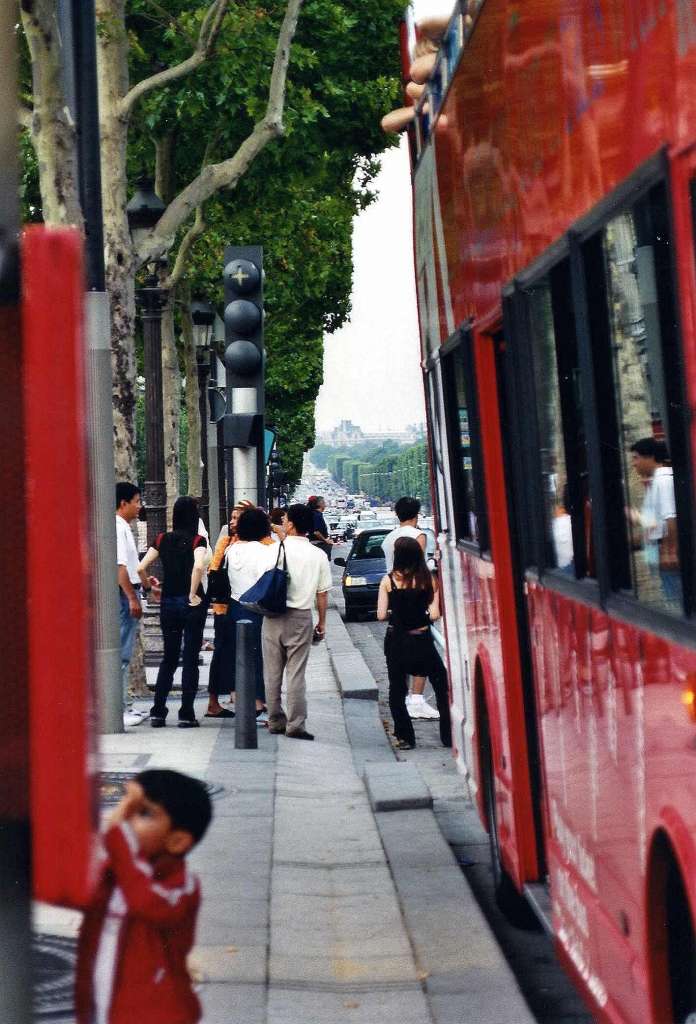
171,402
121,263
193,445
52,129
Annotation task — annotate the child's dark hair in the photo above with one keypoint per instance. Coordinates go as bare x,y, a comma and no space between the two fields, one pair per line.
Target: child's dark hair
185,800
410,565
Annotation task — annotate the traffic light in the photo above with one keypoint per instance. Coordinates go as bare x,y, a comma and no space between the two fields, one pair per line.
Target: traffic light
244,350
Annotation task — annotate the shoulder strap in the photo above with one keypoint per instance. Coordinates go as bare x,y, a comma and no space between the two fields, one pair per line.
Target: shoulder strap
281,551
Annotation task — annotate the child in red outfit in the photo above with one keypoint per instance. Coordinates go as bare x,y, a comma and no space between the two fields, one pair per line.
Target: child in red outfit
140,924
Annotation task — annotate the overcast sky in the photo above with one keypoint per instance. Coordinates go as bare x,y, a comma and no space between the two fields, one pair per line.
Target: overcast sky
372,372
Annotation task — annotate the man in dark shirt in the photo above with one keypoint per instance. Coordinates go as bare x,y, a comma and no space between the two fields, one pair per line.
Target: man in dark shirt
319,535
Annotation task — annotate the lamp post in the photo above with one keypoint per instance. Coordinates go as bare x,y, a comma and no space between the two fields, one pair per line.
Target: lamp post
203,317
143,212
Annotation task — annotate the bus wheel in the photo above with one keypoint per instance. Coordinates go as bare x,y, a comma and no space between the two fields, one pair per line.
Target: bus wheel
512,904
681,946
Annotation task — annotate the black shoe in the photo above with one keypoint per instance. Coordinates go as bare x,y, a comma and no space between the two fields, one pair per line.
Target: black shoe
157,723
222,713
189,723
299,734
277,732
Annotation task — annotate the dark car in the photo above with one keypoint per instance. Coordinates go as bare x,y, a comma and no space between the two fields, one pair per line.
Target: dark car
364,569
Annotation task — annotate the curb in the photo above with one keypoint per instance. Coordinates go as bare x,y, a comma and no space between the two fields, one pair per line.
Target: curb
354,678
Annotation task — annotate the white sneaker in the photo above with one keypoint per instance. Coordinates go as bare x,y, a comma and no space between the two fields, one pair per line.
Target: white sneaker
418,707
131,718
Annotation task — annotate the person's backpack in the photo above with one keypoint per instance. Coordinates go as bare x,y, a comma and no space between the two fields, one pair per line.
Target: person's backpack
268,596
219,590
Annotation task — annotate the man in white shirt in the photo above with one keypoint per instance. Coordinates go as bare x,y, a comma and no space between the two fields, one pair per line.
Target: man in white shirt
130,609
287,638
407,510
658,516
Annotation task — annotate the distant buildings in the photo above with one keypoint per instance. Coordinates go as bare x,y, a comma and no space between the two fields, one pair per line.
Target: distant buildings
347,434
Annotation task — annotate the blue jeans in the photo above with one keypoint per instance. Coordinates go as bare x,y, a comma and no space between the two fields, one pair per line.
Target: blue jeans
236,612
179,621
129,627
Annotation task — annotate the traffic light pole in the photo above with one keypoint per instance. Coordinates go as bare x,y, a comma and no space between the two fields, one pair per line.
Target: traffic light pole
243,425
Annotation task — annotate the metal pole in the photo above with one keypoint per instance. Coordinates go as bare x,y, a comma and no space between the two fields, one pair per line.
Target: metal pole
203,416
15,845
76,19
245,732
152,302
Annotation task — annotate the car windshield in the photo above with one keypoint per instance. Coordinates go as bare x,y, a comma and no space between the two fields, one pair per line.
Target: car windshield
368,545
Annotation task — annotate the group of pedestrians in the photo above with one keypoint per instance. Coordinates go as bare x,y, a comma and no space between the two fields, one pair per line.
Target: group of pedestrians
246,550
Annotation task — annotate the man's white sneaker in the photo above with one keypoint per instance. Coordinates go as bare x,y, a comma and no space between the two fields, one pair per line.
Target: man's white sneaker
418,707
132,718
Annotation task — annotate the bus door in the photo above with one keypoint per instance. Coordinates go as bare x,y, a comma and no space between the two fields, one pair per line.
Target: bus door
514,404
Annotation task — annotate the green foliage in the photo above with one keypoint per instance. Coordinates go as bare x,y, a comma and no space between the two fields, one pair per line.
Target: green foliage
299,198
385,476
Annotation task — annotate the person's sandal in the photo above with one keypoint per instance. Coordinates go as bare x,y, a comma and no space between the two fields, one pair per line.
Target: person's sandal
403,745
222,713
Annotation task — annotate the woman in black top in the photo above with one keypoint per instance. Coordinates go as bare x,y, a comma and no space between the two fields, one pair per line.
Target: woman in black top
409,597
183,609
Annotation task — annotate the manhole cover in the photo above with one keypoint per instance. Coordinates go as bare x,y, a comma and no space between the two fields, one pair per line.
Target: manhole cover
113,786
53,959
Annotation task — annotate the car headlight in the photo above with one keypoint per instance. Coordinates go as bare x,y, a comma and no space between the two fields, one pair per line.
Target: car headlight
355,581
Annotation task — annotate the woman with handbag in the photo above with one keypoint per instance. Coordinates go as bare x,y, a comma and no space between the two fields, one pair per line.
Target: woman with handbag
221,673
183,609
247,560
409,599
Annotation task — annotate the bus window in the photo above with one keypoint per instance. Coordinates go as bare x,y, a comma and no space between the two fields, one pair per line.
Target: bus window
563,455
463,435
635,265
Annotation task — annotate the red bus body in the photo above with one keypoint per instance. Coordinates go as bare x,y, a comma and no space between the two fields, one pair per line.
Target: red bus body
552,105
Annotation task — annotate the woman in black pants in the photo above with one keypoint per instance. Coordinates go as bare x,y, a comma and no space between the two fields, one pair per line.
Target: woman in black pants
409,598
183,609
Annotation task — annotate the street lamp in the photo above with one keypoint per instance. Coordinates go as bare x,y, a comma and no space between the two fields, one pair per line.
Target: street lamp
143,212
203,317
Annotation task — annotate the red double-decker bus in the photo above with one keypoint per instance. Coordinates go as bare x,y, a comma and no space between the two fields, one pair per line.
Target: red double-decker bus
554,167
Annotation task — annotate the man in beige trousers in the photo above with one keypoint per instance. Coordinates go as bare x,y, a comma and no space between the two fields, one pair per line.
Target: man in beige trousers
287,638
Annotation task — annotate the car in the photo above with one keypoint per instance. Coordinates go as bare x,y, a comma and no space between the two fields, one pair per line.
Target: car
363,571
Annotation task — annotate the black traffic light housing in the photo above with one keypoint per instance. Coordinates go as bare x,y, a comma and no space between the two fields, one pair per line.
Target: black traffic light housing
244,348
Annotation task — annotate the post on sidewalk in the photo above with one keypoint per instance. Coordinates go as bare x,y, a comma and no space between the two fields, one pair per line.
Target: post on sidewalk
245,733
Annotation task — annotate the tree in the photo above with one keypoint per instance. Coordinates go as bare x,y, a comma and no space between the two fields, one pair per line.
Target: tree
53,136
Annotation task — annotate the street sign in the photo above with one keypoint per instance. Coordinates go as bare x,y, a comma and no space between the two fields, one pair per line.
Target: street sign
269,436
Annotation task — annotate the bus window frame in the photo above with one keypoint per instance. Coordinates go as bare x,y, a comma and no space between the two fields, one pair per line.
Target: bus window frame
655,173
462,342
599,414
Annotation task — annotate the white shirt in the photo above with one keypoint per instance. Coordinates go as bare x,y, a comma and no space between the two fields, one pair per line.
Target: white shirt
247,561
658,504
391,539
126,551
309,571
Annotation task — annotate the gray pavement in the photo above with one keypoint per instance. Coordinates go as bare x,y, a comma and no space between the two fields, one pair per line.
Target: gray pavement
329,892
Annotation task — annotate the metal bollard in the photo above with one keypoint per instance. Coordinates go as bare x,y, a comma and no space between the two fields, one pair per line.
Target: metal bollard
245,733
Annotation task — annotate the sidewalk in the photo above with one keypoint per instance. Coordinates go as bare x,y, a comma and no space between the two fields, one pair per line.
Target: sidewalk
319,907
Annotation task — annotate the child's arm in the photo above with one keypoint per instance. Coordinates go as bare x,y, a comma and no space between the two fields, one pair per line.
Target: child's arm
146,897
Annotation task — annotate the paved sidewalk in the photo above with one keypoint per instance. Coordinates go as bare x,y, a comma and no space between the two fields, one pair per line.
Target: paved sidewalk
317,909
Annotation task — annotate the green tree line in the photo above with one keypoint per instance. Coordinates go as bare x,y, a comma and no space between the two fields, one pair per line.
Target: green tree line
380,474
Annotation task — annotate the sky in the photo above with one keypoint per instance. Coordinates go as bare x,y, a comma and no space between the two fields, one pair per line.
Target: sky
372,372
